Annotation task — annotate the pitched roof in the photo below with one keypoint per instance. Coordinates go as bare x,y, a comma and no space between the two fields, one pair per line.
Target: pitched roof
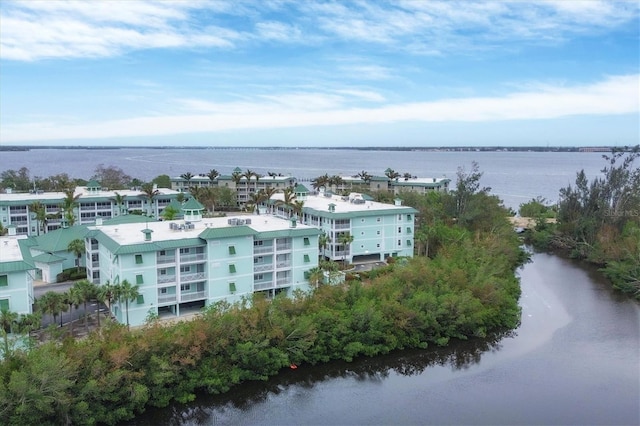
192,204
128,218
48,258
59,239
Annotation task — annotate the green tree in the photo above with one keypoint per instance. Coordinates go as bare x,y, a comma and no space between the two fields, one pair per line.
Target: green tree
316,275
345,239
8,321
69,203
40,214
213,174
52,303
126,292
86,292
169,213
119,200
162,181
72,298
111,177
149,191
78,248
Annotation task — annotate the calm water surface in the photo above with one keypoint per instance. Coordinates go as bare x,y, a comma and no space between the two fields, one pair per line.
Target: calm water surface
516,177
573,361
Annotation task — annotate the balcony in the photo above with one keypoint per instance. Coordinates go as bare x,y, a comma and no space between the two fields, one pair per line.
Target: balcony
262,285
185,258
282,247
263,267
167,298
262,249
198,276
162,279
342,226
95,264
188,297
165,259
284,264
282,282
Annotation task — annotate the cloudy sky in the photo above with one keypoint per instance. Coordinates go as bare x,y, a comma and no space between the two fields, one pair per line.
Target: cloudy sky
319,73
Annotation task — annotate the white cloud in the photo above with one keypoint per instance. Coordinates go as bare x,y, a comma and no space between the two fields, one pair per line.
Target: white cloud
614,95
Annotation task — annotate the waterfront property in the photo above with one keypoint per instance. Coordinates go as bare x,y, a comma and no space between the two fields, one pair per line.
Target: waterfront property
378,230
16,274
86,204
182,266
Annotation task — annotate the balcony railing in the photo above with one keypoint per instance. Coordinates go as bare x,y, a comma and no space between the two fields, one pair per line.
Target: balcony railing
198,276
95,264
191,257
166,259
187,297
170,298
263,267
166,279
262,285
262,249
281,282
342,226
281,247
285,264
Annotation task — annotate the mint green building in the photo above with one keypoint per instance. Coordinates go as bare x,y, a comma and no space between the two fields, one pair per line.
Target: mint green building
16,274
182,266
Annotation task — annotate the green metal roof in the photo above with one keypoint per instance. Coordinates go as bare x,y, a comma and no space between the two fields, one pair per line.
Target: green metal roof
48,258
128,218
291,232
92,184
192,204
300,188
19,265
59,239
227,232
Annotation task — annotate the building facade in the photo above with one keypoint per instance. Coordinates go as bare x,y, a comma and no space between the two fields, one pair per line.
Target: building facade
16,274
182,266
89,203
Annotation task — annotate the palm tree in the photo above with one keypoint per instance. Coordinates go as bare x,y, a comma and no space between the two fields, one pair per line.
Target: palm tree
119,200
268,193
85,291
213,174
149,191
255,200
72,298
40,212
366,177
335,181
316,275
298,206
324,241
320,181
345,239
8,320
127,292
77,247
52,303
69,203
391,174
187,177
105,293
407,176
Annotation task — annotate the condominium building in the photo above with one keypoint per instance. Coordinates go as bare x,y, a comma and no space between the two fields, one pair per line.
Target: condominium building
379,230
90,203
183,266
16,274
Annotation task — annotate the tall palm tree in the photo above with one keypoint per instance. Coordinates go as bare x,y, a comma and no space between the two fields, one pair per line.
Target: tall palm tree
78,248
213,174
324,240
126,292
119,200
289,197
365,176
73,299
187,177
52,303
106,293
320,181
86,291
8,321
345,239
255,200
40,213
297,207
149,192
316,275
69,203
391,174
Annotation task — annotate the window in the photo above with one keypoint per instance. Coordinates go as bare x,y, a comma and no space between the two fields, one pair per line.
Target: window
408,230
377,232
232,268
138,259
377,219
163,291
232,287
163,253
306,275
399,243
306,241
4,280
399,229
232,249
4,304
140,299
306,258
399,217
258,259
139,279
408,243
408,217
185,287
378,245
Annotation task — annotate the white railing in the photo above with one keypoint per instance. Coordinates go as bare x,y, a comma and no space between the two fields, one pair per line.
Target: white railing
281,247
262,268
95,264
342,226
286,264
262,285
192,277
166,259
283,281
167,299
187,297
166,279
191,257
262,249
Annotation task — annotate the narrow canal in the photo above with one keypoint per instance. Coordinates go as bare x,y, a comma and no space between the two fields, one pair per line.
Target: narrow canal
574,360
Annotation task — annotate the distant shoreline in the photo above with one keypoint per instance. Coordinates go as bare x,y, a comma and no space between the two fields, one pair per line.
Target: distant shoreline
346,148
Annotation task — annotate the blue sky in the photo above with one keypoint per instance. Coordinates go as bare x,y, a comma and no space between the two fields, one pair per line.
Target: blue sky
320,73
